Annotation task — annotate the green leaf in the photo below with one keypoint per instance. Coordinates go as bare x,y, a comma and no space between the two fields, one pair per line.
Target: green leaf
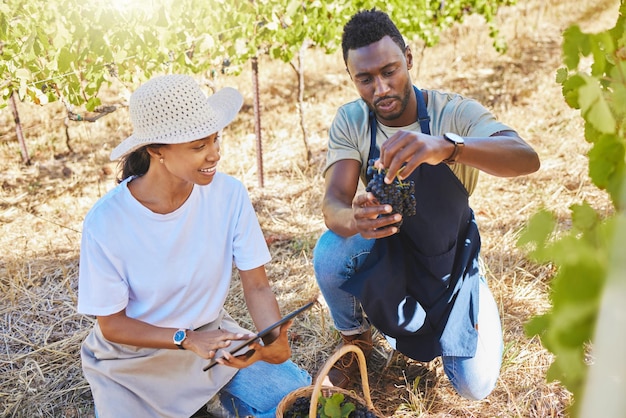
65,60
561,75
537,232
604,159
92,103
570,90
537,325
602,47
347,409
574,43
584,217
23,74
594,107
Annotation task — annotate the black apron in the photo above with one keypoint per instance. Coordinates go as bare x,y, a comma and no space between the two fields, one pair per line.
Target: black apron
411,280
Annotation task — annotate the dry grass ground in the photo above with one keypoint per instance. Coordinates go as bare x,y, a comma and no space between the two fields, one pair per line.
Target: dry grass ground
42,207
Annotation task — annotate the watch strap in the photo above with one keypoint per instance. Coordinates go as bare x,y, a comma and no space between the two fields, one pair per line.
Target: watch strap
458,148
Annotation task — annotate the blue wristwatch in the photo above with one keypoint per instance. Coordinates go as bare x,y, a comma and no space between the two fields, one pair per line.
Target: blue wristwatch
179,337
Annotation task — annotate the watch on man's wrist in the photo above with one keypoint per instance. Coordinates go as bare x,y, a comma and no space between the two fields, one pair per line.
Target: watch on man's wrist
179,337
459,144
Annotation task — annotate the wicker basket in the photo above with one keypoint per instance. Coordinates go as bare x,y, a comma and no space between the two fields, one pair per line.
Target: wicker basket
313,392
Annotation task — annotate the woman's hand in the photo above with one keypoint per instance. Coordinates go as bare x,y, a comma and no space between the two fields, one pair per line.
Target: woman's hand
206,343
277,352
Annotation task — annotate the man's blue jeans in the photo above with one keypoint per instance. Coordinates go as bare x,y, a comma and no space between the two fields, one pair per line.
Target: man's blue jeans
336,259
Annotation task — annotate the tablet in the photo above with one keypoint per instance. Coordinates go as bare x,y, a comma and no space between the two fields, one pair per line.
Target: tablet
263,333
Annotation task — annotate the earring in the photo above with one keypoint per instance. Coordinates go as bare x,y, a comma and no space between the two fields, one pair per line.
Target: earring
161,160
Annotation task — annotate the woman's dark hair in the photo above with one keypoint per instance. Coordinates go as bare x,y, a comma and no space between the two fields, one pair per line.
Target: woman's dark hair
367,27
136,163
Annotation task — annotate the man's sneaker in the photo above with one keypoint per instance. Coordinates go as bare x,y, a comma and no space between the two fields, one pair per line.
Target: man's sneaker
347,368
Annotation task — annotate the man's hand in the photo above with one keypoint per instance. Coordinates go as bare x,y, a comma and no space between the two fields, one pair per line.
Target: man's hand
412,148
369,223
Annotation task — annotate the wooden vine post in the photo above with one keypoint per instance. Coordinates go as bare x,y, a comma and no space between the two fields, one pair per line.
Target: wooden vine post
300,72
18,130
257,120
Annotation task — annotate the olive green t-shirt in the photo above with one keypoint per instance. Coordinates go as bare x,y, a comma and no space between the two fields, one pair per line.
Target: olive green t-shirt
449,112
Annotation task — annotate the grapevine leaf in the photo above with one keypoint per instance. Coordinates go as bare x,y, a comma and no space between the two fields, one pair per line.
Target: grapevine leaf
574,43
537,325
92,103
594,107
536,233
292,7
568,368
604,159
23,74
616,182
561,75
570,90
347,408
332,406
64,60
577,286
619,89
584,217
602,47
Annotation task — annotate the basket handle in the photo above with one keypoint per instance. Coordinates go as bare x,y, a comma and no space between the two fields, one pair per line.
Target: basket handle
317,387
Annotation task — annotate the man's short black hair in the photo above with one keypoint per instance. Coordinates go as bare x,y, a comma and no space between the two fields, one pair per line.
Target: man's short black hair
367,27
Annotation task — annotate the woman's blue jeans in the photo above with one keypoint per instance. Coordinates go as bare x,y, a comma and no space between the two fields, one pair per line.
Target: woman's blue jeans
336,259
258,389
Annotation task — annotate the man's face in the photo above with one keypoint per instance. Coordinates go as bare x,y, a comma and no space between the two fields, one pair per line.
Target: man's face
380,72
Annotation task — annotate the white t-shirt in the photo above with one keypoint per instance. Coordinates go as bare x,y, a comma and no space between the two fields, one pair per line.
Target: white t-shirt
449,112
171,270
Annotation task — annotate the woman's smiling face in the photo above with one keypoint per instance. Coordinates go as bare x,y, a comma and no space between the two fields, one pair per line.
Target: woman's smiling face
194,162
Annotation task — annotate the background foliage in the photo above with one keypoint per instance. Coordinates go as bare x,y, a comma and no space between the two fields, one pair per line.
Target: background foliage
67,49
584,253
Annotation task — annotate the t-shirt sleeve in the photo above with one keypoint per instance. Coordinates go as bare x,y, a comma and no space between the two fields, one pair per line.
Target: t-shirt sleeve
249,246
101,289
468,118
474,120
341,143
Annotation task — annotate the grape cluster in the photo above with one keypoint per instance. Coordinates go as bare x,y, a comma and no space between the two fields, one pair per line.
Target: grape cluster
399,194
362,412
300,409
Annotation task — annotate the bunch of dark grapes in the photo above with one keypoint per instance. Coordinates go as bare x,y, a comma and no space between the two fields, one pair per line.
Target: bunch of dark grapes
399,194
299,408
361,411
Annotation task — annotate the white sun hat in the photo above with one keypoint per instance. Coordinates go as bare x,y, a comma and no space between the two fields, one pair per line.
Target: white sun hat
173,109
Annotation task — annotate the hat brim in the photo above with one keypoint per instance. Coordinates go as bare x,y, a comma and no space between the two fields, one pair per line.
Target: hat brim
226,104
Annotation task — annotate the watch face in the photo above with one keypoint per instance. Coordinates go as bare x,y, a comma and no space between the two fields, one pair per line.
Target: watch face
179,336
454,138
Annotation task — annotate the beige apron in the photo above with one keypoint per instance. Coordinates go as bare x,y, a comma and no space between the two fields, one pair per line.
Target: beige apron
129,381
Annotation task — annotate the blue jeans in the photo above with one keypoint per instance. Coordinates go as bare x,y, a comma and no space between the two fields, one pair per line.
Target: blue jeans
258,389
336,259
